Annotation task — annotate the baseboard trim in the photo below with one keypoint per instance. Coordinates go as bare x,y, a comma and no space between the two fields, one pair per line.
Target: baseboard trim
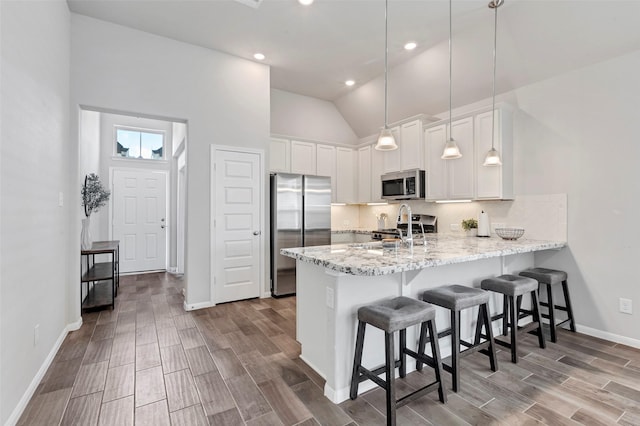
608,336
31,389
195,306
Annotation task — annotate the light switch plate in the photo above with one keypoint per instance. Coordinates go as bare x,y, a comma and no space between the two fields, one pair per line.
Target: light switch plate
626,306
329,296
60,199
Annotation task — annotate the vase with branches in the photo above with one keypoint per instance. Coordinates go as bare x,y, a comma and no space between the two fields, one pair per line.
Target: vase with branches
94,196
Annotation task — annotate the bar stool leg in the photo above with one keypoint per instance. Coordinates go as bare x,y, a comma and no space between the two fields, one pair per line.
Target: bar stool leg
505,312
513,314
435,352
422,343
357,360
552,315
403,354
390,376
535,306
455,349
487,326
567,302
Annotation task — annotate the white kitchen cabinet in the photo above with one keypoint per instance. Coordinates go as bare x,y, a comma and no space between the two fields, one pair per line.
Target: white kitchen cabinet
345,175
326,165
364,174
411,149
450,179
436,173
280,155
303,157
494,182
377,169
392,159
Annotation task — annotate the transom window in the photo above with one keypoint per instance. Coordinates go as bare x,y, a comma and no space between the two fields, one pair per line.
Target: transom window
140,144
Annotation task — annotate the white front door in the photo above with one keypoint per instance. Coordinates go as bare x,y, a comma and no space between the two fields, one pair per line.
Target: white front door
139,219
237,206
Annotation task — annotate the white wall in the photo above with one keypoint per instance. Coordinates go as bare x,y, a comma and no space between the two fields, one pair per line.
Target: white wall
308,118
224,100
89,152
35,162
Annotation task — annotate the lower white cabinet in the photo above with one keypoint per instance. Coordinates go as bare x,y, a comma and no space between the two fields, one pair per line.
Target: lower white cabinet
345,175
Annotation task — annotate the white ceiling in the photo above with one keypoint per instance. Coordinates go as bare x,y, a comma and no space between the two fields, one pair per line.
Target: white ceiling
313,50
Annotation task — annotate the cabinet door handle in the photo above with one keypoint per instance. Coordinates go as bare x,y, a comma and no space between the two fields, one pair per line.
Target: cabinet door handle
256,232
162,226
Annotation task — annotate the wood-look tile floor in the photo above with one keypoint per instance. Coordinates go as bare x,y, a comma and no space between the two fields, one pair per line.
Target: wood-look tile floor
150,363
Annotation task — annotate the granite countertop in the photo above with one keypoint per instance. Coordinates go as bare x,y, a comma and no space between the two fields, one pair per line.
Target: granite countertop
351,231
370,259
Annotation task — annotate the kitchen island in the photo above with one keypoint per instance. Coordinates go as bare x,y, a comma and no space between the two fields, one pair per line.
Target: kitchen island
334,281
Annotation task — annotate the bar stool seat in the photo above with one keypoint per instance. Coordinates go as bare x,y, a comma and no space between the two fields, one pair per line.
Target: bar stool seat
549,278
390,316
457,298
513,287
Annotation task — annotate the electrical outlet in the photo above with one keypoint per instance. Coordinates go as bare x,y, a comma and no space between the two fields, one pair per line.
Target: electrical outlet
36,334
626,306
454,226
329,297
346,222
60,199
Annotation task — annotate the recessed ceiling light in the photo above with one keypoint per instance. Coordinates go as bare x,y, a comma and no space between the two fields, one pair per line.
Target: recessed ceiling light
349,82
259,56
411,45
305,2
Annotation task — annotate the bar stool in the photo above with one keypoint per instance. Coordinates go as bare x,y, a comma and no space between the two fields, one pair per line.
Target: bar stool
551,277
456,298
513,287
390,316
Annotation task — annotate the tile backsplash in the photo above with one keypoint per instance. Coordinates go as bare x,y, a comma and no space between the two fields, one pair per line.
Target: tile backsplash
544,217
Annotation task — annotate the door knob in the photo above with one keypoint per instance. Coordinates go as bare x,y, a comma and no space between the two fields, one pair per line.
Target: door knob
256,232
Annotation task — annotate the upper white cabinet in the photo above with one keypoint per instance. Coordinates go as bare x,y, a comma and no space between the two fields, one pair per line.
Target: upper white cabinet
392,159
450,179
345,175
364,174
303,158
494,182
326,165
377,169
411,154
280,155
466,177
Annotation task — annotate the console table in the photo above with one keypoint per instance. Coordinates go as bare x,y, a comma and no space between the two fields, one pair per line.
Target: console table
102,278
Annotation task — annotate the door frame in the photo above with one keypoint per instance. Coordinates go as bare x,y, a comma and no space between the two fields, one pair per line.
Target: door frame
167,174
212,215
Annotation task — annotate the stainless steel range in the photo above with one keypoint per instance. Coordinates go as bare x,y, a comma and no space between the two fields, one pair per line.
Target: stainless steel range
420,222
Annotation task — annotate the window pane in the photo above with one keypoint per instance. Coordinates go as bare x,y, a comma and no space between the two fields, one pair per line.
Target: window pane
151,145
127,143
136,144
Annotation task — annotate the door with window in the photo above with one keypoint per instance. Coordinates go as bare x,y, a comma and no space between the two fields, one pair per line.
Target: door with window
237,217
140,219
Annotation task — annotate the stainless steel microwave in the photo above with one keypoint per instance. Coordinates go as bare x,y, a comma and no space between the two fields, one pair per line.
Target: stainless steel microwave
407,185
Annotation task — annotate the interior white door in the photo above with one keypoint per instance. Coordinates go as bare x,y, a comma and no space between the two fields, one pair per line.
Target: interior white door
139,219
236,210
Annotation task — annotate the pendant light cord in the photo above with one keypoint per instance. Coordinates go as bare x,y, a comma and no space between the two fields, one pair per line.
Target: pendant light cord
450,74
496,4
386,53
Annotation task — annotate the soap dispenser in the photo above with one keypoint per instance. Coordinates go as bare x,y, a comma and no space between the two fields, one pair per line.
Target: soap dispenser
484,229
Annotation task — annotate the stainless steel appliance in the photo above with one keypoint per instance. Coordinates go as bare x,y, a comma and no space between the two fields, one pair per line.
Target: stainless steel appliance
300,217
418,222
407,185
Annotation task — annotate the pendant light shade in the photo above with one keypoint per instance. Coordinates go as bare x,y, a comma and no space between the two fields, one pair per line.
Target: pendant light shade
493,156
386,141
451,150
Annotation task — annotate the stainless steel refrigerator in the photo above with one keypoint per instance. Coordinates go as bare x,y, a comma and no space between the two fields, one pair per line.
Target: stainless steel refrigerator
300,217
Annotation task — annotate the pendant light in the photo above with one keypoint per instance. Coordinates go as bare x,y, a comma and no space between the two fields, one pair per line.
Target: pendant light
493,156
386,141
451,150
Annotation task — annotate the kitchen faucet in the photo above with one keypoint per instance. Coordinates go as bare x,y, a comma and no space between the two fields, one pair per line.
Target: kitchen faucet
408,240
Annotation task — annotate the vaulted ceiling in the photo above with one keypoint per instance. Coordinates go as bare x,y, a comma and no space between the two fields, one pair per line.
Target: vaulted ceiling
313,49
